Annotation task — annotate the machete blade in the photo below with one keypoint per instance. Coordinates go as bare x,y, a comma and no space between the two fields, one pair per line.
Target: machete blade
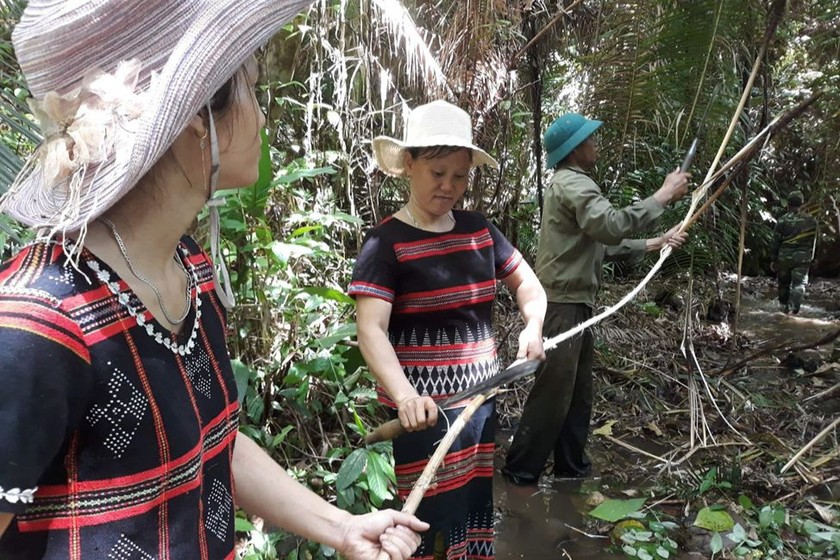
511,373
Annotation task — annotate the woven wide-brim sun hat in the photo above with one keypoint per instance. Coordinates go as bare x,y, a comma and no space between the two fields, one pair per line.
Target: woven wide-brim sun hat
113,83
438,123
564,135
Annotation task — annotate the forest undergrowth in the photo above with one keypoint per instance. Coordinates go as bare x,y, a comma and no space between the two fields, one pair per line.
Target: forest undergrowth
724,487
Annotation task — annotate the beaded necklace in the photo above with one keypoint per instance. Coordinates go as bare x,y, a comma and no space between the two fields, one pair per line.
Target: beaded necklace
161,338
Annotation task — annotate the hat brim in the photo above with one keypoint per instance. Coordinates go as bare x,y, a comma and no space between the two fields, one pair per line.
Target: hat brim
388,152
205,57
560,152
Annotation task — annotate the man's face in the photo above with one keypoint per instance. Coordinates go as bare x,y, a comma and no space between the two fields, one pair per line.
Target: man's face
586,153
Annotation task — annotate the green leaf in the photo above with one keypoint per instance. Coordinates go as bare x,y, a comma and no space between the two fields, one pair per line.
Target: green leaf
738,534
779,515
615,510
745,502
348,218
717,543
329,293
281,437
351,469
292,175
337,335
243,525
714,520
346,498
824,536
255,407
305,229
242,374
286,251
378,477
765,517
357,420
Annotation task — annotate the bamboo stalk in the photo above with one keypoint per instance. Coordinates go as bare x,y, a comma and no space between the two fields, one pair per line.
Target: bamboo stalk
777,9
742,237
744,154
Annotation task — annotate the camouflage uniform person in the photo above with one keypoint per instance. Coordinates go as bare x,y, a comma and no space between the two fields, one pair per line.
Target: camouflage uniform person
794,241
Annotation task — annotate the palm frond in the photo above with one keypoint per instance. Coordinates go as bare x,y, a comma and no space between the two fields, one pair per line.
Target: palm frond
420,63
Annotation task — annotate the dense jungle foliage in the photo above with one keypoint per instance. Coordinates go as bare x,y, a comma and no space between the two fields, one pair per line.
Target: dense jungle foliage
657,72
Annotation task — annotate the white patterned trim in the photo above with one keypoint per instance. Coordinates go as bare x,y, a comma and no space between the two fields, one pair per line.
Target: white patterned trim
15,495
17,291
158,336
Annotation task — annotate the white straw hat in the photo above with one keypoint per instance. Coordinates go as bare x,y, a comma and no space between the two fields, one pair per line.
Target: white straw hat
113,83
434,124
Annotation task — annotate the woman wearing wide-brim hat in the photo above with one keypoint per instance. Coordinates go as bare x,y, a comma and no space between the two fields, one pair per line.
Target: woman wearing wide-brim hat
118,421
424,283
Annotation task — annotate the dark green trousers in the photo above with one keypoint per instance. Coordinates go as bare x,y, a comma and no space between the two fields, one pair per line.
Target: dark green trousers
556,415
792,278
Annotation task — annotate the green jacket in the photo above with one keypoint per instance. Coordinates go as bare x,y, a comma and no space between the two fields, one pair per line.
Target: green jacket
794,238
579,230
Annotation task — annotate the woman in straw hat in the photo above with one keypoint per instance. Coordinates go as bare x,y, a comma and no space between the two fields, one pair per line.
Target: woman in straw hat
118,424
425,282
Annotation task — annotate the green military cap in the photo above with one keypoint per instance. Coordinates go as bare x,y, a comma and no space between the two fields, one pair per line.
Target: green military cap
565,134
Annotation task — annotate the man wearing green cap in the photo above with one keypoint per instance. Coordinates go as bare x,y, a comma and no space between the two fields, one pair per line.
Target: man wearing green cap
794,241
580,229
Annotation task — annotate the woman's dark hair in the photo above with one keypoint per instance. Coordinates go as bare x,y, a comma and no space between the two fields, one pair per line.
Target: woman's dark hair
225,97
431,152
222,100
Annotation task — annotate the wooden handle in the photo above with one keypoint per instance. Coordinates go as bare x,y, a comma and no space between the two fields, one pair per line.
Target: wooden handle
428,474
389,430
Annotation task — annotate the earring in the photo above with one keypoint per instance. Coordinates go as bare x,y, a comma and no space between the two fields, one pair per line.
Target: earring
202,144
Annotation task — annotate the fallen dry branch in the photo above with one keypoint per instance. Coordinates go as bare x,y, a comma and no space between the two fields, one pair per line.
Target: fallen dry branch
823,393
770,349
810,444
635,449
563,12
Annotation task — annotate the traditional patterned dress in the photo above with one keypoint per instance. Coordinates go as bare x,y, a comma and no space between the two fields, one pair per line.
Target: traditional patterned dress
116,435
442,287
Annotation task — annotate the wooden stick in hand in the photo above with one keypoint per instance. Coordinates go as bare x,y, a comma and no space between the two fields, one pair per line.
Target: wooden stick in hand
427,477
